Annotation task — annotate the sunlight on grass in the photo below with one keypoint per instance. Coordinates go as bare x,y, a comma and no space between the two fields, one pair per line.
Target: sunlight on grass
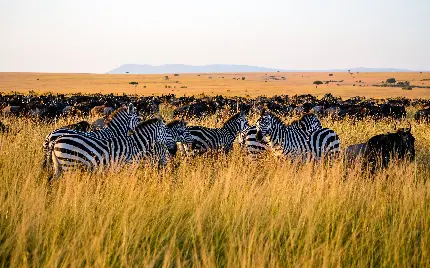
215,211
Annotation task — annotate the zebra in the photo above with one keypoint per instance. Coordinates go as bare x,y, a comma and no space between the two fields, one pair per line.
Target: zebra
97,153
322,142
248,140
293,139
179,133
118,123
205,139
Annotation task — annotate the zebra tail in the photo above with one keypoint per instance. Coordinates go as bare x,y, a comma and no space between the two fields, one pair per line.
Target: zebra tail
47,157
56,168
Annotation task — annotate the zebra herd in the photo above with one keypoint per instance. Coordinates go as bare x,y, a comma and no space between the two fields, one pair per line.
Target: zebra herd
126,138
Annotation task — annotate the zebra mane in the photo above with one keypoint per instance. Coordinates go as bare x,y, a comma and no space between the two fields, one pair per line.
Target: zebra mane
80,126
275,118
148,122
115,114
297,121
234,117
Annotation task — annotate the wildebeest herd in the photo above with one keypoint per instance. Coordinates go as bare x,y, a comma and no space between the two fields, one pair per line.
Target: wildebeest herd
125,134
49,107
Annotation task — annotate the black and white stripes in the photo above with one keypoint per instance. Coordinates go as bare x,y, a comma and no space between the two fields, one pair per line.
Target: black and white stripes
304,138
118,124
126,138
205,139
95,153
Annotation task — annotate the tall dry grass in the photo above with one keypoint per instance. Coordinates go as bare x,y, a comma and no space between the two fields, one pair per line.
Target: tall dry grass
215,211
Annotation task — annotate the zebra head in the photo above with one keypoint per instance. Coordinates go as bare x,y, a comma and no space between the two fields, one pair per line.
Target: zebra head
265,125
309,123
237,123
180,132
123,120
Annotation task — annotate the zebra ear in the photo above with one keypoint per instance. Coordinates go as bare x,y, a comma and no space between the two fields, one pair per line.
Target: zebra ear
131,108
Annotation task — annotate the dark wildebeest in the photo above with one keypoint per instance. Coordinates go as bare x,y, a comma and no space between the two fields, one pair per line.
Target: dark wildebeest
423,115
380,149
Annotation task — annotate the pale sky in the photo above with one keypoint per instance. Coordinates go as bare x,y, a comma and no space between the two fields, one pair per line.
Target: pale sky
99,35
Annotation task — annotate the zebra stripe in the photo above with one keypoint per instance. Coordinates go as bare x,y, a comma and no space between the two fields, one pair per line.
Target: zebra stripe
83,150
118,124
292,139
205,139
177,132
248,140
322,142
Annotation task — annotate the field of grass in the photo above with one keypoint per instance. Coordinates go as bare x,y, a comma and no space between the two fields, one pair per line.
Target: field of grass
215,211
228,84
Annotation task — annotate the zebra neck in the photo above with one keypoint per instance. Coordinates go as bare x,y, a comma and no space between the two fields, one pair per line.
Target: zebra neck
141,141
277,135
117,127
231,128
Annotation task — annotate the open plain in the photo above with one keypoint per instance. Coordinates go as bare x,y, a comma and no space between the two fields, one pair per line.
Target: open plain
230,84
217,210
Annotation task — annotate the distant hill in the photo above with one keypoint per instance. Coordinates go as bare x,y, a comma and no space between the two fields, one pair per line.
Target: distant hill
181,68
225,68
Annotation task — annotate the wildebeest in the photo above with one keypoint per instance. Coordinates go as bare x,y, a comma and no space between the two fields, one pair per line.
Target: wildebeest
98,124
379,150
101,111
12,110
423,115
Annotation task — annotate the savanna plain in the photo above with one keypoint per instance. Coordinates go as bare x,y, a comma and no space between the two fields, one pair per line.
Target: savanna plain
215,210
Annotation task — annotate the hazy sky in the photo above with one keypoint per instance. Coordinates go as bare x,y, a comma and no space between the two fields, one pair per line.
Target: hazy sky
99,35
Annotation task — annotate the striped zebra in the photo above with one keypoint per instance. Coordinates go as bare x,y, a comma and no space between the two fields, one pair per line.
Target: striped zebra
95,153
248,140
118,123
322,142
302,138
177,132
205,139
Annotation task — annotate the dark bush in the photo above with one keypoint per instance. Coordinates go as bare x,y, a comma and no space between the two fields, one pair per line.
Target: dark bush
391,81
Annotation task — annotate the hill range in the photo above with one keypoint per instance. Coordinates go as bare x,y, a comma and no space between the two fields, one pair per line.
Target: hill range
225,68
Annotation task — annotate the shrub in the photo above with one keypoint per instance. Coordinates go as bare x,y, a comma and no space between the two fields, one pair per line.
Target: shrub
134,83
317,82
391,81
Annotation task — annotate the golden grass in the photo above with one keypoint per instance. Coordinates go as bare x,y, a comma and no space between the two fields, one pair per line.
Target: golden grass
208,212
191,84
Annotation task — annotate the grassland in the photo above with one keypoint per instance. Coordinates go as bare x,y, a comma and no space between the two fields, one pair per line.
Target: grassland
215,211
255,84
